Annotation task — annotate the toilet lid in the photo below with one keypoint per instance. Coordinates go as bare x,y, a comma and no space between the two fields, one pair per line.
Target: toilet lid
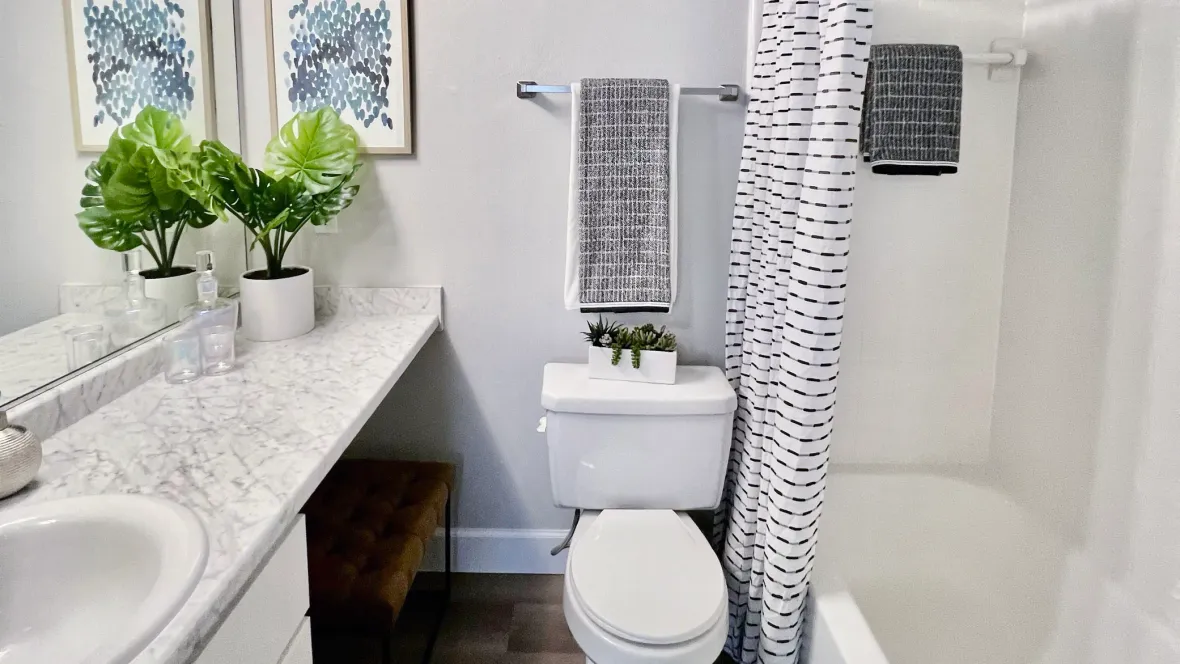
647,576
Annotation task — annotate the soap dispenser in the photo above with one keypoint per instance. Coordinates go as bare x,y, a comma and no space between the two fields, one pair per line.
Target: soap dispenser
20,457
133,315
215,319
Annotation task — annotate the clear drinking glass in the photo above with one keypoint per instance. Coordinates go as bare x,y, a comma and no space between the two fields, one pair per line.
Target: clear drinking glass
84,344
182,355
217,349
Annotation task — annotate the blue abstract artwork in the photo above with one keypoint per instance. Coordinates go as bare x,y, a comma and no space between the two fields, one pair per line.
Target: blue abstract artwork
138,57
346,55
129,54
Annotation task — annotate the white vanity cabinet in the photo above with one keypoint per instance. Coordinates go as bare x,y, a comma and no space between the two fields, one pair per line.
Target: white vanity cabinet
269,624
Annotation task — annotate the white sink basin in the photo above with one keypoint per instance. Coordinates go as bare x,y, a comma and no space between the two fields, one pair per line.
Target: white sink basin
93,580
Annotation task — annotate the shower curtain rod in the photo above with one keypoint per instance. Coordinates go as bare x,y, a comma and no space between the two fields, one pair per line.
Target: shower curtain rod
1017,57
1004,55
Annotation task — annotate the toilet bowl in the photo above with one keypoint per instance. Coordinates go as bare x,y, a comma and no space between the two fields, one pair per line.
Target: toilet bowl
644,586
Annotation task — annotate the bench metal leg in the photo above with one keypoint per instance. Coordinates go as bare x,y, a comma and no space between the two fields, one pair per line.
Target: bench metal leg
446,599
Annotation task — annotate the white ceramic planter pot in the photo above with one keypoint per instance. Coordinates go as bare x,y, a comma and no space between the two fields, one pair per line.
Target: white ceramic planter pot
277,309
655,366
174,292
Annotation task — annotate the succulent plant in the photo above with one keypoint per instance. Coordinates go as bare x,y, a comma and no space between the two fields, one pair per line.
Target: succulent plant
602,333
666,342
607,334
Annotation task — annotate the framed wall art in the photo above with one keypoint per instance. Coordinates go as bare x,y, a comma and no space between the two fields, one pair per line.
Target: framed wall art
128,54
352,55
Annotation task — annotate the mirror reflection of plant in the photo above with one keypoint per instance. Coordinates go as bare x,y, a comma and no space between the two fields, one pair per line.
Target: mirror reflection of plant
146,188
310,165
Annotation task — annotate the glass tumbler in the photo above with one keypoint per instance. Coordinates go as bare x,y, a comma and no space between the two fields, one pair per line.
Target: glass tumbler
182,355
217,349
84,344
217,328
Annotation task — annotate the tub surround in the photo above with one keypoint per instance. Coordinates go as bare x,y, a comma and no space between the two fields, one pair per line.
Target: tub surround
244,450
984,566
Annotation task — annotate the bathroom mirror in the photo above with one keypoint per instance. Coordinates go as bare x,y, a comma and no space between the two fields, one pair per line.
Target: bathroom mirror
71,72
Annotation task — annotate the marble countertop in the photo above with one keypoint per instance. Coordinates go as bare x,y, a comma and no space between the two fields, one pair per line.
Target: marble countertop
244,450
35,355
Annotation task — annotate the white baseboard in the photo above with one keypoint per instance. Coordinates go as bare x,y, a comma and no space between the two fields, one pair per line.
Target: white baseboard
498,550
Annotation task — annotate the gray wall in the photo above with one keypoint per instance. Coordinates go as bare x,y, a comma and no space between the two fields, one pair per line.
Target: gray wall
480,209
41,174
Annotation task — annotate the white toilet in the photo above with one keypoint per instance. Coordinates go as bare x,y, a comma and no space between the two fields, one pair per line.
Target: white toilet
642,583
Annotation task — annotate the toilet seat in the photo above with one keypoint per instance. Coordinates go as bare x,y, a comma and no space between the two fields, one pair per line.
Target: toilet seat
647,576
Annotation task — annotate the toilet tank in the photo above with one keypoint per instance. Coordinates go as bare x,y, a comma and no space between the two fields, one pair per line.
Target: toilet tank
617,444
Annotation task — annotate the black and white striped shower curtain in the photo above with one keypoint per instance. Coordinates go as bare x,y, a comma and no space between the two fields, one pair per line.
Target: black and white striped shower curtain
788,258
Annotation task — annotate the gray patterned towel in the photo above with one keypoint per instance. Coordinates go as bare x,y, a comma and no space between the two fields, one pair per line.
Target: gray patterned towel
911,119
623,179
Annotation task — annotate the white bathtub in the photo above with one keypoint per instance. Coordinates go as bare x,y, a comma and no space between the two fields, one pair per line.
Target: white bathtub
924,569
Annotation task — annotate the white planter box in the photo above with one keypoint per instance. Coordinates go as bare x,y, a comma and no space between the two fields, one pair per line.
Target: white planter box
277,309
655,366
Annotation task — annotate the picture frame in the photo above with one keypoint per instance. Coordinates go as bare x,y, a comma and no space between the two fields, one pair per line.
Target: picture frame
184,70
379,108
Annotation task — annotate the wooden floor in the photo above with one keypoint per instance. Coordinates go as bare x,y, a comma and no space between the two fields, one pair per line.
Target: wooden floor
492,619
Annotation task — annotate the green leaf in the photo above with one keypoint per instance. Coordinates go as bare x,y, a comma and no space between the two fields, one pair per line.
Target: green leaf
92,191
158,129
198,217
253,196
156,144
190,179
108,231
167,196
273,224
230,181
128,194
119,151
150,177
327,206
317,150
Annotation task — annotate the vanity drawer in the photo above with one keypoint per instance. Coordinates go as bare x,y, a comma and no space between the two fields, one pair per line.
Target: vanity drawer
271,612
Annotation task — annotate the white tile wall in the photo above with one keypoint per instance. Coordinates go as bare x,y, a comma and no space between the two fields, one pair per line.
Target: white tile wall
1063,250
923,311
1086,423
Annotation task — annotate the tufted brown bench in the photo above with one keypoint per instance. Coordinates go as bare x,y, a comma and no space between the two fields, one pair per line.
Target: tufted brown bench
368,525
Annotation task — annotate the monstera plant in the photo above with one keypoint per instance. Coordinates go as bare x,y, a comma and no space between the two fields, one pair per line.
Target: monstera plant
146,189
307,178
309,167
